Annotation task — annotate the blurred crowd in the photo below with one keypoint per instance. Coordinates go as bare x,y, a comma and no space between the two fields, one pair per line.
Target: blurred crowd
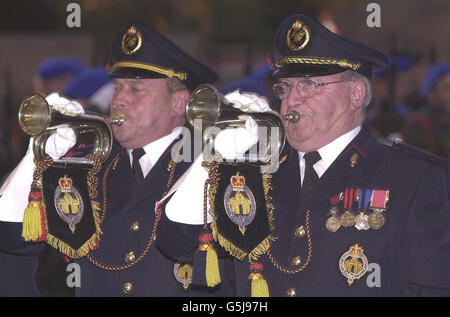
411,98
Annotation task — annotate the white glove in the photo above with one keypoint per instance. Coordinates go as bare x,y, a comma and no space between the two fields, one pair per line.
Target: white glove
64,105
14,192
64,139
232,143
248,102
189,188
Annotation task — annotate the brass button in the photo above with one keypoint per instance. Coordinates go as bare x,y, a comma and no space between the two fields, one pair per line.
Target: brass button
135,226
291,292
127,288
130,257
296,261
300,232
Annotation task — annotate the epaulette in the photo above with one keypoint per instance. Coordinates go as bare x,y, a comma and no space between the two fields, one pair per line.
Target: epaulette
417,152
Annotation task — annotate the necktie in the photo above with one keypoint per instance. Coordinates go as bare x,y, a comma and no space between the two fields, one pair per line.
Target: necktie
137,170
311,176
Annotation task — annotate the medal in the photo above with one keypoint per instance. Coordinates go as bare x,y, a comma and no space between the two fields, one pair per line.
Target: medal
353,264
377,219
333,222
362,220
348,217
379,200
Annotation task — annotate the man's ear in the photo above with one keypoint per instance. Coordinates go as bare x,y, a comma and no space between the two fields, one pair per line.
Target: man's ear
179,100
358,94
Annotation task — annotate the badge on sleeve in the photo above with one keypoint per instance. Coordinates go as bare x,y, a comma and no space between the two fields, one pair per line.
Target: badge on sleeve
183,274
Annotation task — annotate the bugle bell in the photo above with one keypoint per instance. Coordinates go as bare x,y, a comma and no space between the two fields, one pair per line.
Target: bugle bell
207,107
40,120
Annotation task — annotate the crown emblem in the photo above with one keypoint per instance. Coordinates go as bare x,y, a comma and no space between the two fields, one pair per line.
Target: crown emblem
131,41
237,181
65,183
356,250
298,36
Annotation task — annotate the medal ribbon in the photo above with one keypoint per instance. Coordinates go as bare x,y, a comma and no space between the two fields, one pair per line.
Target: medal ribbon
379,198
364,198
349,196
335,200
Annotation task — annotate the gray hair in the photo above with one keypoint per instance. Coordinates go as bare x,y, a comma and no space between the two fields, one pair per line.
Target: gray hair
351,75
174,85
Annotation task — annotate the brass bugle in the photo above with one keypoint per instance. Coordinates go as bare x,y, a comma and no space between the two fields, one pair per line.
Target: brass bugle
40,120
208,106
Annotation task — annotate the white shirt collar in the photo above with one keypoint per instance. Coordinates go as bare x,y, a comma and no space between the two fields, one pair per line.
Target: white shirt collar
154,150
329,152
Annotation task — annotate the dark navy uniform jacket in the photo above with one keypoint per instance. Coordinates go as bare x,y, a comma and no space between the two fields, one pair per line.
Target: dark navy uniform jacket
408,256
128,227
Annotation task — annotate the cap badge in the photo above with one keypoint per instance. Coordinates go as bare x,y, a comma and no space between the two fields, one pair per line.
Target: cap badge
298,36
131,41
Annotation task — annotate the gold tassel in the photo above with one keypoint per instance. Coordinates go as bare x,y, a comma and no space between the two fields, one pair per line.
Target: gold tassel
212,267
259,283
33,228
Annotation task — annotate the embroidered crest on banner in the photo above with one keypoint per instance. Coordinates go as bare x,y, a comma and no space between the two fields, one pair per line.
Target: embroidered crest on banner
68,202
240,204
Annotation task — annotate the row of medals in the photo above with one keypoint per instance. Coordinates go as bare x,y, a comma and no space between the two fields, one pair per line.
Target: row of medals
362,221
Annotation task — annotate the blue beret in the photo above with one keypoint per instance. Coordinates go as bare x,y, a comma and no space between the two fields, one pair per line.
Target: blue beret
138,51
432,77
87,82
253,83
246,84
57,66
401,64
308,49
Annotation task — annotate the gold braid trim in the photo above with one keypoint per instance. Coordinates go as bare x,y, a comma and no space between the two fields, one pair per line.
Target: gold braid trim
267,184
231,248
265,244
153,68
317,61
262,248
71,252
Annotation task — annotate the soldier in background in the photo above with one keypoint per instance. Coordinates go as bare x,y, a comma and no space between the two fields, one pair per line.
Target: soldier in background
429,127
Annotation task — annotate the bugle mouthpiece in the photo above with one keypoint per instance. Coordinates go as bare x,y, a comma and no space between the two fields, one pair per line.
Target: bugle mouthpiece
292,116
117,120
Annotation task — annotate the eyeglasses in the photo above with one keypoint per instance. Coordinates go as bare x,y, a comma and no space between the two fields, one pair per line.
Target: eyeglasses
306,88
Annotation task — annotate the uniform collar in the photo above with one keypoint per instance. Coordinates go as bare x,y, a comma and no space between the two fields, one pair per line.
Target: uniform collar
331,151
155,149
